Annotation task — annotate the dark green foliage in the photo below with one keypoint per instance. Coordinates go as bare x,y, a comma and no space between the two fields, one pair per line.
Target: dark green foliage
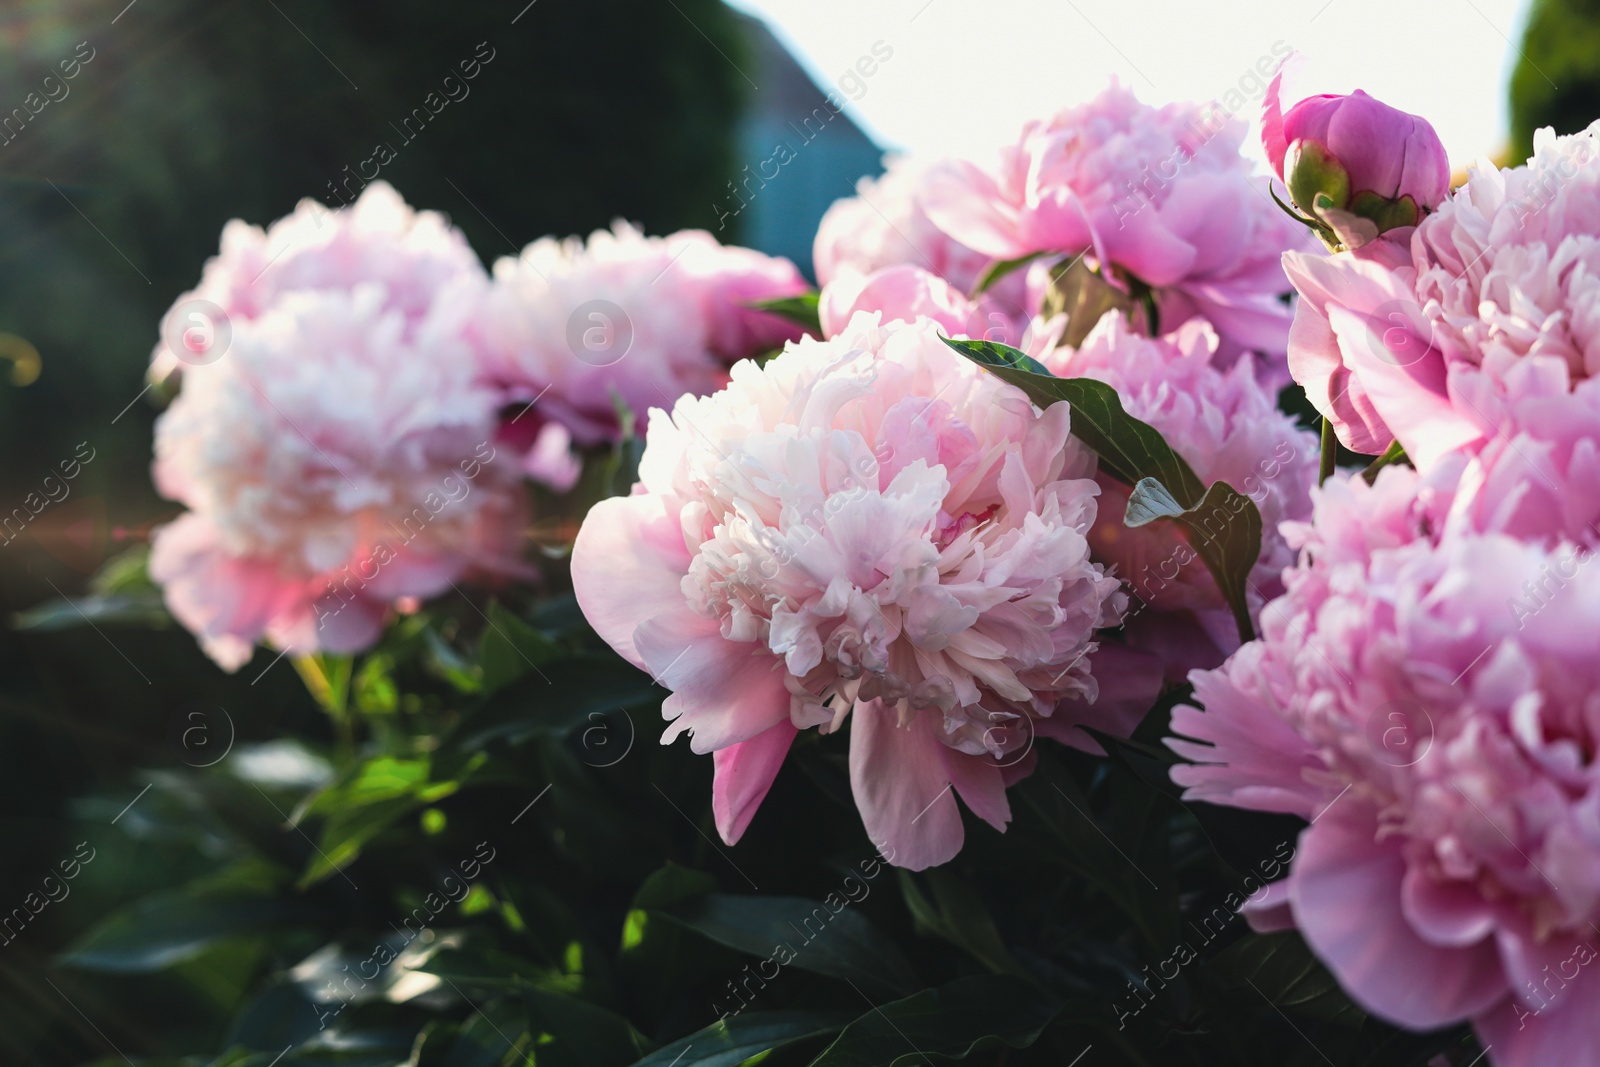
501,865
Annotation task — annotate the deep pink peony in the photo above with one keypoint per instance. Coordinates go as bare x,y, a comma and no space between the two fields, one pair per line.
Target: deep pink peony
1153,196
337,459
1374,161
1424,693
379,240
1227,425
575,328
1483,321
872,528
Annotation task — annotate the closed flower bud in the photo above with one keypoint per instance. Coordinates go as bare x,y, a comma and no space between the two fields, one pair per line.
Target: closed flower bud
1356,166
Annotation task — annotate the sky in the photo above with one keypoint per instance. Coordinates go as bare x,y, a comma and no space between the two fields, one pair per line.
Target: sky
963,75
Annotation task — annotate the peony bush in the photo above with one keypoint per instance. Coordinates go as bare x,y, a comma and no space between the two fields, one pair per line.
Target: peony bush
984,656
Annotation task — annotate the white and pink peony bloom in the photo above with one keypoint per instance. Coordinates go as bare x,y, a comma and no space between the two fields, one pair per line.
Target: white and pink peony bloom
1153,197
1424,694
576,329
337,459
1227,426
379,240
1481,322
872,529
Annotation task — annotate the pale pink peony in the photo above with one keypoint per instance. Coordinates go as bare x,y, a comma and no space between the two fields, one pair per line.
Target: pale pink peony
867,527
883,225
1226,424
338,459
379,240
1159,197
574,329
1424,693
1483,321
906,293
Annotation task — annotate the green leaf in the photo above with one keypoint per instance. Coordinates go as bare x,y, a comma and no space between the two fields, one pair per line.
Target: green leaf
570,1032
999,269
476,964
126,572
69,613
1224,525
374,687
327,676
838,943
993,355
1282,969
373,796
572,692
1128,448
336,1047
511,648
158,932
1064,826
449,664
1224,528
1084,295
955,1020
800,309
347,833
673,885
733,1040
444,1044
958,915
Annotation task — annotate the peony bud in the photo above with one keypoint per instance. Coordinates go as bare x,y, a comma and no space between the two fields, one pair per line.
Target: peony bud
1355,165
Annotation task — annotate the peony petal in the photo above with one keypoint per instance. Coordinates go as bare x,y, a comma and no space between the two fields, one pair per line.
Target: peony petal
903,789
1407,392
964,202
1345,891
1551,1017
980,783
1272,135
627,563
1252,758
1271,911
723,692
744,772
1449,914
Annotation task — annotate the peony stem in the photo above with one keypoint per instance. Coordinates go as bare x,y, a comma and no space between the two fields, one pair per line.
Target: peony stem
1330,452
327,678
1394,453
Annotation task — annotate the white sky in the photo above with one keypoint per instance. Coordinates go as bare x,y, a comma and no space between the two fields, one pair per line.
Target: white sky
965,74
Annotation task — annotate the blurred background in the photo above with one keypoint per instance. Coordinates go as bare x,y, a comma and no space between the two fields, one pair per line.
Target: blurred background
130,132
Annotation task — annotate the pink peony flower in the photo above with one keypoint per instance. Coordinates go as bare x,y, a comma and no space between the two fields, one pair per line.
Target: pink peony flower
379,240
870,528
337,460
1423,693
906,293
1480,323
1226,424
569,330
1155,197
883,225
1378,163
